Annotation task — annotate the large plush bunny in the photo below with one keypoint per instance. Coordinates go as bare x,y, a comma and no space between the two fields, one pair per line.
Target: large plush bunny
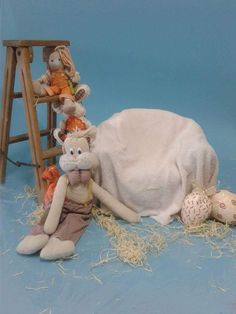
70,210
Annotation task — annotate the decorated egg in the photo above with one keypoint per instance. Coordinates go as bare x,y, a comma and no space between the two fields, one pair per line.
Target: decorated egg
196,208
224,207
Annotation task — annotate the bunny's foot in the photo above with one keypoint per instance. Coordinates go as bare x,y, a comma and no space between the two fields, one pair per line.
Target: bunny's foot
56,249
82,92
32,244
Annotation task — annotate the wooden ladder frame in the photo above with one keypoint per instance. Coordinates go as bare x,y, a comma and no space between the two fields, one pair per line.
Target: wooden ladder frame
19,54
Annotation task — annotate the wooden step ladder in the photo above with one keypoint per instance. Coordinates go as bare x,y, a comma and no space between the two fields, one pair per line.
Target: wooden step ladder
19,54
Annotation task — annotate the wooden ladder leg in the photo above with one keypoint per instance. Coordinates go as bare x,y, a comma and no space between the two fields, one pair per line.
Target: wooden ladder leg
23,59
51,124
7,99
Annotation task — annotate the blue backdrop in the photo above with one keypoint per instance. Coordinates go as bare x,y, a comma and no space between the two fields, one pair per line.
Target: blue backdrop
174,55
177,55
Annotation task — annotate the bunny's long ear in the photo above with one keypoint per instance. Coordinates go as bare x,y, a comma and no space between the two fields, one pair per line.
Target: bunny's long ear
90,132
56,133
66,59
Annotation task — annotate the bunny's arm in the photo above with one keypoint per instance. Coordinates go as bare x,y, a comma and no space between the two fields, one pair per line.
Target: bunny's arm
114,205
54,214
45,78
76,78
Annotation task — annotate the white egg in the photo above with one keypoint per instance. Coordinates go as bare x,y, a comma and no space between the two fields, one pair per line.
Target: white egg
196,208
224,207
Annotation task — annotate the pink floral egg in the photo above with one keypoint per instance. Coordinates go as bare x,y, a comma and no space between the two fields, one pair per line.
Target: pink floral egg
224,207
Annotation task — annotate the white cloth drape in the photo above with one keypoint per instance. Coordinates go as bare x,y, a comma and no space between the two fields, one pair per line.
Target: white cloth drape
150,158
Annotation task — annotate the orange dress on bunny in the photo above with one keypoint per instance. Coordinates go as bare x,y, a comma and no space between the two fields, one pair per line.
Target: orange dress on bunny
59,84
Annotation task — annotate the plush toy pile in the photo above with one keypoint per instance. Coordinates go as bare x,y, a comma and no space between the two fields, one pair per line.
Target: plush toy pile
139,162
70,197
62,79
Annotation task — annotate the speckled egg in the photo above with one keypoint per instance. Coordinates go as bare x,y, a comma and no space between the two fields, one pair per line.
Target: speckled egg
224,207
196,208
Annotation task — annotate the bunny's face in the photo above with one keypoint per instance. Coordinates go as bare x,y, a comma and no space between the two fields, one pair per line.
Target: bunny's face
75,155
54,62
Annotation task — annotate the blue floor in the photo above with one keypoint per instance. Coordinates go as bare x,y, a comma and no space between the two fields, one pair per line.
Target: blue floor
183,278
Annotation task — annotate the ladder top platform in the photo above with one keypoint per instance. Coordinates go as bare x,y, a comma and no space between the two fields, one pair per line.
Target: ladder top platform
29,43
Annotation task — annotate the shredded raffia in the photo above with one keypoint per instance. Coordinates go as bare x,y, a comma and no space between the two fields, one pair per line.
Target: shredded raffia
34,217
133,247
131,243
130,247
210,228
45,311
29,193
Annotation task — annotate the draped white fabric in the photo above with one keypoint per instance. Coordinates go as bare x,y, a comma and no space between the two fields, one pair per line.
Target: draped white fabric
150,158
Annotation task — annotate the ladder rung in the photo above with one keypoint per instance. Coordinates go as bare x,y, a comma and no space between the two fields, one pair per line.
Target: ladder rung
29,43
39,99
17,95
25,136
52,152
45,99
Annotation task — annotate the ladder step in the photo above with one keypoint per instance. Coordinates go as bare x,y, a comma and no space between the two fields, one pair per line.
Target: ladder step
52,152
17,95
45,99
39,99
29,43
25,136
